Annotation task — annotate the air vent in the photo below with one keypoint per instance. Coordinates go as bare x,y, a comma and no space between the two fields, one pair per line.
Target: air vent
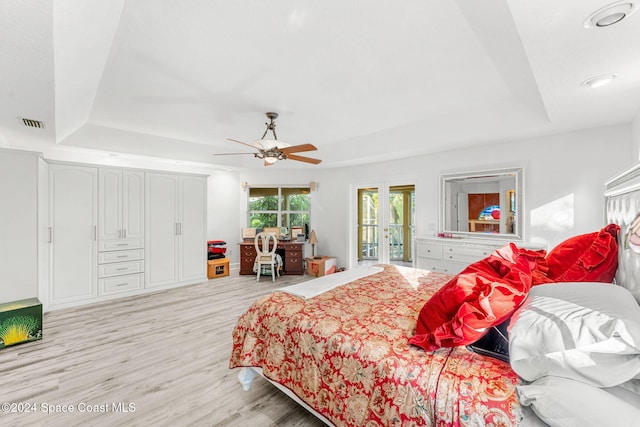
30,123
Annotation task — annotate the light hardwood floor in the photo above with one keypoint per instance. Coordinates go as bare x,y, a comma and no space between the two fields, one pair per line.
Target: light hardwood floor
165,353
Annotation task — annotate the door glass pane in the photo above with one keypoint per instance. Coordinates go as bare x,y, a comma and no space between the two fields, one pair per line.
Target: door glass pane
396,225
368,223
401,222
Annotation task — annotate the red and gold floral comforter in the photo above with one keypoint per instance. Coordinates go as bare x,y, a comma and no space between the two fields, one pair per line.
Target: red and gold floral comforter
345,353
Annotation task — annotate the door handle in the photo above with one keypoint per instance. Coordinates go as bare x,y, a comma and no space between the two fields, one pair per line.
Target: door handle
50,235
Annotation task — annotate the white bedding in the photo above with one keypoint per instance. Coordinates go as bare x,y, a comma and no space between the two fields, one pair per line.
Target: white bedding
323,284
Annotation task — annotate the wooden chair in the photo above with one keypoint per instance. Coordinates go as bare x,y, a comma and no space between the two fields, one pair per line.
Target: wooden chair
266,254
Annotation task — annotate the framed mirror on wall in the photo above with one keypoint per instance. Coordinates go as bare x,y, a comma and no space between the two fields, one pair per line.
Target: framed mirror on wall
482,204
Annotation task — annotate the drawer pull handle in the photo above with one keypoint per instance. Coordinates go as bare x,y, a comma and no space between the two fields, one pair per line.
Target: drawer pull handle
123,268
122,284
122,244
122,256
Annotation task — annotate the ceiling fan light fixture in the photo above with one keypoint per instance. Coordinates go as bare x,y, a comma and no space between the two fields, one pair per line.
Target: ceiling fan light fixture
599,81
268,144
272,150
611,14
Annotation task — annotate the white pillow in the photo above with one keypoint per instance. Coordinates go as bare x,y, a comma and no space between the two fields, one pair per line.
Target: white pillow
585,331
566,403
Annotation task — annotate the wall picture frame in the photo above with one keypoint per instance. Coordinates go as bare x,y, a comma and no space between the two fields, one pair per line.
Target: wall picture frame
296,231
248,233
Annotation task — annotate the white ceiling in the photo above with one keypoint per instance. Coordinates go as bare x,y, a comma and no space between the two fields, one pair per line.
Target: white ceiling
361,80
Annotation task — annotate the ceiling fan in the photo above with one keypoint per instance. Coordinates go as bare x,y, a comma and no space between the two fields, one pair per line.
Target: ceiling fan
272,150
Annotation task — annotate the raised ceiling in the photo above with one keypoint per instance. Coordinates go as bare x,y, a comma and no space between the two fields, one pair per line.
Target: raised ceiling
361,80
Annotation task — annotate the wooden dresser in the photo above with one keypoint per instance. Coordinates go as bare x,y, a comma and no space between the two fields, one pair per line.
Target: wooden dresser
451,255
292,254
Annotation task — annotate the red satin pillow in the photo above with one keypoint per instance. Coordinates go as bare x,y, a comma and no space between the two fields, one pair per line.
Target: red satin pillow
591,257
483,295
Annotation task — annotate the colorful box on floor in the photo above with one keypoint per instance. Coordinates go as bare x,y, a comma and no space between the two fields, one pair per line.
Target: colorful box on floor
20,321
321,266
218,268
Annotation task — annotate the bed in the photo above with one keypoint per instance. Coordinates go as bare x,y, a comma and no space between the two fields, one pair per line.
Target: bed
356,348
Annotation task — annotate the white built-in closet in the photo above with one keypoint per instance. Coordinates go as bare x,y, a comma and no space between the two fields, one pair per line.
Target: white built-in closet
117,231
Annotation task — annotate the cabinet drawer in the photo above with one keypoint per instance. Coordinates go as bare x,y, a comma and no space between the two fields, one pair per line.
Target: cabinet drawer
465,254
293,254
429,250
291,260
119,256
112,285
120,268
247,251
440,266
116,245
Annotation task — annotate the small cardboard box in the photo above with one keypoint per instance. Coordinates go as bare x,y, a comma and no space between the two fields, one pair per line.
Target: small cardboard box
20,321
218,268
321,266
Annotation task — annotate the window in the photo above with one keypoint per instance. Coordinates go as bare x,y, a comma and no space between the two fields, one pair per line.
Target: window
279,207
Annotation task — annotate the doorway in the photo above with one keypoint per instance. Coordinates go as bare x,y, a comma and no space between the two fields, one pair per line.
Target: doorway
385,224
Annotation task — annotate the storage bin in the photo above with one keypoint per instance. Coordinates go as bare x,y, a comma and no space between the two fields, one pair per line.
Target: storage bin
218,268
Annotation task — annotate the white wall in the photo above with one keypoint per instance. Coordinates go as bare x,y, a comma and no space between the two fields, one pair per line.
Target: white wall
223,220
564,182
564,177
635,132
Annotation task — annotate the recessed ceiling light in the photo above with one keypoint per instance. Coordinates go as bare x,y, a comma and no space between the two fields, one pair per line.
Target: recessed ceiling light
599,81
610,15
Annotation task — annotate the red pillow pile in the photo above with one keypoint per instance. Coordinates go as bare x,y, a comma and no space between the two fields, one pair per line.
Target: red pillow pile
483,295
487,292
591,257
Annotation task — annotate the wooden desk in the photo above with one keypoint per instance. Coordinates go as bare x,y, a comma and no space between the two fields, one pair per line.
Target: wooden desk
292,254
474,222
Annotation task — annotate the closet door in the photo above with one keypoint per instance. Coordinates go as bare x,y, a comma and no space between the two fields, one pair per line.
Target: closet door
73,215
161,229
110,204
121,204
133,204
192,228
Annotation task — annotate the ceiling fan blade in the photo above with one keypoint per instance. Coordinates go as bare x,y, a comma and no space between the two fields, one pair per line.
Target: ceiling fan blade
243,143
298,148
303,159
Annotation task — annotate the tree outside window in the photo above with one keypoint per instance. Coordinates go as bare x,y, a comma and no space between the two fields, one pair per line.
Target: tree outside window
279,207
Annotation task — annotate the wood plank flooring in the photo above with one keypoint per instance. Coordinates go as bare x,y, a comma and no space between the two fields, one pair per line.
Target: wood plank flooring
161,358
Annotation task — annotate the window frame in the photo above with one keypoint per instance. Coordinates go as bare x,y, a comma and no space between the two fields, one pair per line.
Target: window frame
280,212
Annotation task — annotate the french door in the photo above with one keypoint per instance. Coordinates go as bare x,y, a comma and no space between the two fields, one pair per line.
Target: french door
384,223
